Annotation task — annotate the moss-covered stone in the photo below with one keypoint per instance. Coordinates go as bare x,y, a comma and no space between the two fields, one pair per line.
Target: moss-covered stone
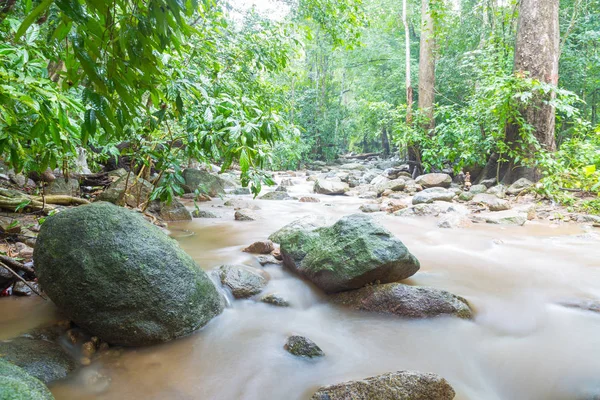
120,277
16,384
243,281
347,255
138,191
301,346
45,360
401,385
205,181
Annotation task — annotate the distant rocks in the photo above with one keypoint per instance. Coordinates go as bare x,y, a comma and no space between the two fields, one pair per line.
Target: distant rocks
347,255
204,214
434,180
301,346
275,300
402,385
492,202
433,194
245,215
519,186
330,187
276,195
369,208
404,301
308,199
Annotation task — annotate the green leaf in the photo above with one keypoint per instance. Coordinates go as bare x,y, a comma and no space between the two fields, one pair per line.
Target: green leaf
33,16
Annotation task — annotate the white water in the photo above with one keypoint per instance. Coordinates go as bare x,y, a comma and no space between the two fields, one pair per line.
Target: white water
520,346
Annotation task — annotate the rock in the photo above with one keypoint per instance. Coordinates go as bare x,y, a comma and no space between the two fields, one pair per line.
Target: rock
275,196
203,214
354,167
476,189
519,186
508,217
395,185
267,259
369,208
245,215
412,187
302,347
401,385
582,304
62,186
420,210
243,281
120,277
404,301
466,196
21,180
6,278
434,180
21,289
24,251
44,360
379,181
261,247
308,199
275,300
205,181
241,191
488,183
392,205
498,191
16,384
308,223
138,192
281,189
175,211
492,202
347,255
454,220
239,204
330,187
433,194
287,182
368,195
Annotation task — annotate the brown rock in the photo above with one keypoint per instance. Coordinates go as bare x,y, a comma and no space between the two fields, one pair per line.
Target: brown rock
260,247
308,199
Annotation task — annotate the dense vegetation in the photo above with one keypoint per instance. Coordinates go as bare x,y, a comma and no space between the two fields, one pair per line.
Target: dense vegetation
184,80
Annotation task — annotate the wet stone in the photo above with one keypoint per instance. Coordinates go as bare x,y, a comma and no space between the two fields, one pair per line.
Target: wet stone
303,347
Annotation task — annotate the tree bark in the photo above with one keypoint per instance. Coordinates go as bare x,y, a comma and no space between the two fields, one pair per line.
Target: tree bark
427,64
385,141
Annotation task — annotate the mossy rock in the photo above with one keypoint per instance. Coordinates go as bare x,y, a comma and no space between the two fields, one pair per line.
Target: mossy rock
347,255
16,384
122,278
205,181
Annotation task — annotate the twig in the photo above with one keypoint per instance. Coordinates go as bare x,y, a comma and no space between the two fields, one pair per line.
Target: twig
22,280
16,265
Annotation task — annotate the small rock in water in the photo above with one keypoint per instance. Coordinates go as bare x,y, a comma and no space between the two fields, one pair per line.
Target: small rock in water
454,220
281,188
369,208
275,300
303,347
203,214
245,215
404,301
260,247
267,259
241,191
243,281
308,199
433,194
401,385
330,187
277,195
286,182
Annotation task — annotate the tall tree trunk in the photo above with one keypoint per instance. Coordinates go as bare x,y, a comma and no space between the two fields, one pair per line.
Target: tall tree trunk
413,151
385,141
536,55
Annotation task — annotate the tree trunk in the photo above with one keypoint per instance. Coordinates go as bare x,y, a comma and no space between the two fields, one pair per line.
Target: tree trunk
536,56
385,142
427,64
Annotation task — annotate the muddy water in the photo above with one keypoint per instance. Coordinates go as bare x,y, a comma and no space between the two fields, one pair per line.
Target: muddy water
520,345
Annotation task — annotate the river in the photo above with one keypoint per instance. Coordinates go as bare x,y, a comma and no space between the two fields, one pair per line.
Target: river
521,345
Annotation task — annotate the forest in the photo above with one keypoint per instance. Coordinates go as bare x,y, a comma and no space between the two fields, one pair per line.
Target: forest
299,199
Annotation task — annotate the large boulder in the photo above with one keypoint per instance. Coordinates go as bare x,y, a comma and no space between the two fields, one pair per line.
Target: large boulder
330,187
404,301
175,211
492,202
45,360
519,186
138,191
433,194
62,186
208,183
347,255
16,384
401,385
122,278
434,180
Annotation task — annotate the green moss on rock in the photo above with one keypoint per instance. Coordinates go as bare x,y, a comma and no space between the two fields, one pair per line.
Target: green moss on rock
16,384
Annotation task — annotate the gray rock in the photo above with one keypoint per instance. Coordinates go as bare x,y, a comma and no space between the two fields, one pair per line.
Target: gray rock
354,167
401,385
205,181
44,360
267,259
492,202
122,278
302,347
204,214
16,384
508,217
347,255
239,204
330,187
466,196
369,208
287,182
404,301
308,223
138,191
489,182
175,211
308,199
243,281
275,196
519,186
420,210
498,191
241,191
433,194
275,300
476,189
21,289
245,215
454,220
61,186
281,188
434,180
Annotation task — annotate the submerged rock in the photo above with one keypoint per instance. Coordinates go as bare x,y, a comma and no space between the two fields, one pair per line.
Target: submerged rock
302,347
275,300
16,384
330,187
454,220
267,259
245,215
405,301
308,199
243,281
401,385
434,180
45,360
276,195
122,278
508,217
347,255
433,194
369,208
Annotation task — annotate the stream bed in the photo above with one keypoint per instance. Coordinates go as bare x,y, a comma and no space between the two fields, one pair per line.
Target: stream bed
521,344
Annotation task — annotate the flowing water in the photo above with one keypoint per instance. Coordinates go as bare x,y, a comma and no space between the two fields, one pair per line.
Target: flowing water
520,345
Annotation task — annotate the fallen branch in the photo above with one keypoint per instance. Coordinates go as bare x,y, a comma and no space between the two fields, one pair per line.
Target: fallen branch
16,265
63,200
22,280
